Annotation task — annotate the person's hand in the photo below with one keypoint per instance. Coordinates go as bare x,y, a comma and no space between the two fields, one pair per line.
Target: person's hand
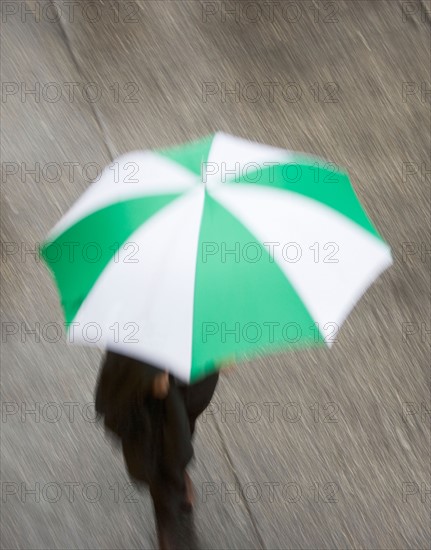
161,385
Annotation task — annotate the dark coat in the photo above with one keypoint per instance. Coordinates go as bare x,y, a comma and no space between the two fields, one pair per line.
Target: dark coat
155,434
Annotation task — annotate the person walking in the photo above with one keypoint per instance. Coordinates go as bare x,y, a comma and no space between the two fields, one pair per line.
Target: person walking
154,416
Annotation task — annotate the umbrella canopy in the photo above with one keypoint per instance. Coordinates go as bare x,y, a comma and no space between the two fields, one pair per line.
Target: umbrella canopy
220,248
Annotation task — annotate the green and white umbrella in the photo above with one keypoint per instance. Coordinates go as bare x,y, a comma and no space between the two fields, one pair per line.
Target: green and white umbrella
217,249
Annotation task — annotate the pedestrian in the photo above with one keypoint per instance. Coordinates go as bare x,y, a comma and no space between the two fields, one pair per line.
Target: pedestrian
153,414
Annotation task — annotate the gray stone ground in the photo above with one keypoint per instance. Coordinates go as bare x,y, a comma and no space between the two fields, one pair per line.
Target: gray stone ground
353,471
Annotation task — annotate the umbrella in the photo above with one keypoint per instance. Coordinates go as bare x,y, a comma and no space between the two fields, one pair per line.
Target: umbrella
216,249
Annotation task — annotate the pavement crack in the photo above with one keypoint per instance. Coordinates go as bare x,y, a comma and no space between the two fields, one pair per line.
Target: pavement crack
238,481
106,141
